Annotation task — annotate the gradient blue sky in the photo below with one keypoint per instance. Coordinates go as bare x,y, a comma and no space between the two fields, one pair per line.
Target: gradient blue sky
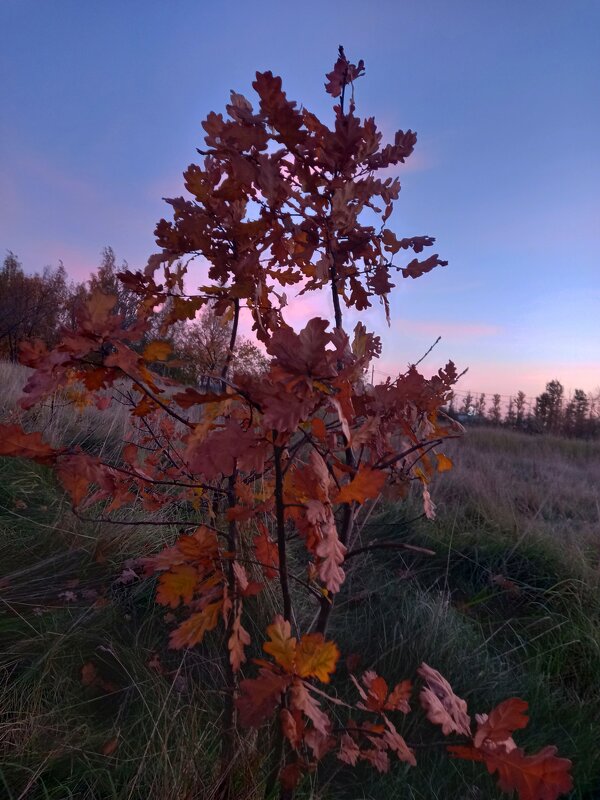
101,109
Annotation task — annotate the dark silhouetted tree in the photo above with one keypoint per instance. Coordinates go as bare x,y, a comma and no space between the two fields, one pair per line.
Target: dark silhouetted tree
479,406
520,401
467,405
495,412
30,305
105,280
549,407
510,418
451,405
576,419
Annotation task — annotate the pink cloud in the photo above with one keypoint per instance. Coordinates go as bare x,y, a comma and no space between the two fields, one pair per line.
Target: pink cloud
305,307
77,261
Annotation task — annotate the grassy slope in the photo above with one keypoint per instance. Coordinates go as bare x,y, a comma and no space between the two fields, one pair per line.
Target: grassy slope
513,508
520,508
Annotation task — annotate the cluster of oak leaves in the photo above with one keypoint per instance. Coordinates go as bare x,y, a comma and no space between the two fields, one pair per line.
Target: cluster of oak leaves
297,453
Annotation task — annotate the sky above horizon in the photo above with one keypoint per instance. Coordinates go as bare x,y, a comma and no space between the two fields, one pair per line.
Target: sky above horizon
101,111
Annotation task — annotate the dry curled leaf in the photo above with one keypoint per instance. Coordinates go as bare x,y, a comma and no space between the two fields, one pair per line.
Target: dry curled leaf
441,705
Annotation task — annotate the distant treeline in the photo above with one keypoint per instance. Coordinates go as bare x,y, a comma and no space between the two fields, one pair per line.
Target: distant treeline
45,305
577,416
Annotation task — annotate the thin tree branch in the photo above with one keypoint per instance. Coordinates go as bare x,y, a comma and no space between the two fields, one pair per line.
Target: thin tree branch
281,538
165,483
389,546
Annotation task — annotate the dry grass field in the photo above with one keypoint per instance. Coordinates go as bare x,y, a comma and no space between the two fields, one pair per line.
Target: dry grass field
509,605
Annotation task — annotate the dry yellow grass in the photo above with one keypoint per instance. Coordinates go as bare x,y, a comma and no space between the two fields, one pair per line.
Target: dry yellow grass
527,487
60,419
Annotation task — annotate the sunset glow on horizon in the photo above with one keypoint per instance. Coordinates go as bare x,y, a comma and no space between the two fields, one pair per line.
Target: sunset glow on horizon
102,113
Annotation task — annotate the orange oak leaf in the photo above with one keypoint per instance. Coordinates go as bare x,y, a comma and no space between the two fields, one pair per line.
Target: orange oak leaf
375,692
95,315
366,484
245,587
466,752
157,351
318,428
192,631
428,504
145,407
443,462
282,645
349,751
237,641
75,483
303,353
92,678
290,775
399,697
78,471
417,268
201,546
441,705
15,442
302,699
225,448
259,697
331,551
377,757
316,658
266,553
319,743
543,776
292,726
501,722
192,397
241,576
396,743
343,73
177,585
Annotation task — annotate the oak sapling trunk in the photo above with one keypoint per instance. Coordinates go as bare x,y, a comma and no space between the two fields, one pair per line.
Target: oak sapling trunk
228,735
288,460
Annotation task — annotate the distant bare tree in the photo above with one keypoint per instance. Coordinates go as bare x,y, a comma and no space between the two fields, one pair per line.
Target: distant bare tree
203,346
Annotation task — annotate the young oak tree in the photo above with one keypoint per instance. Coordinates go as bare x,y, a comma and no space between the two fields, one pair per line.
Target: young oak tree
294,457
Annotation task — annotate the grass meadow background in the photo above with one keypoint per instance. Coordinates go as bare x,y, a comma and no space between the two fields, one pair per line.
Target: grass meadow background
93,705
